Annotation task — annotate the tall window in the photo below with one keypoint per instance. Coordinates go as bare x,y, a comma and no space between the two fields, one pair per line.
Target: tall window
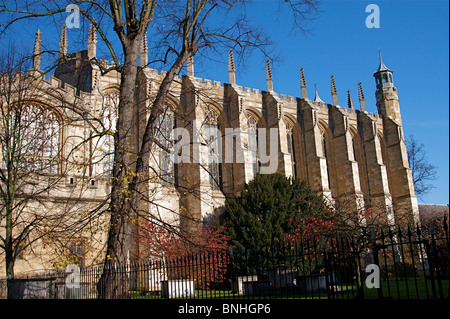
166,125
109,116
326,155
213,142
38,135
76,253
252,130
359,159
291,146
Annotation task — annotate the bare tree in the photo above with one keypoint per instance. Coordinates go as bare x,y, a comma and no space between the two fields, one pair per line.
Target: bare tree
422,171
33,168
178,31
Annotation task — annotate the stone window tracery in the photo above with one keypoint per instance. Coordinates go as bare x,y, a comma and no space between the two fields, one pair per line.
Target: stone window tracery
326,155
252,131
109,120
165,136
291,145
38,137
214,148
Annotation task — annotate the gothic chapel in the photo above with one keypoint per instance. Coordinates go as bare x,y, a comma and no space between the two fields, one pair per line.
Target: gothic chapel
341,151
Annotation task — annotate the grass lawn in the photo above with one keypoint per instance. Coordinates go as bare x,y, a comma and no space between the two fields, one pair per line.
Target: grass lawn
412,288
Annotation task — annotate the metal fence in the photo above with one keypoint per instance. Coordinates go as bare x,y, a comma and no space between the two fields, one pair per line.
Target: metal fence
390,264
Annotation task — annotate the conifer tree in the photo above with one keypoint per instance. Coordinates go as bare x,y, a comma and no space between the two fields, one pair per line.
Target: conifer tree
270,208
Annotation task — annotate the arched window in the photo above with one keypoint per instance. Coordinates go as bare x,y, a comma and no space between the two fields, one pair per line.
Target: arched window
38,134
326,154
109,120
252,131
291,145
358,157
214,145
383,153
166,125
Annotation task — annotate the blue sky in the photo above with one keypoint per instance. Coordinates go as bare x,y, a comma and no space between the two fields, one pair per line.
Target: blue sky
414,41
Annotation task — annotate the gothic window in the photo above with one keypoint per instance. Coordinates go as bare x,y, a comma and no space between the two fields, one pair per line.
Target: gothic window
383,155
38,134
214,149
166,125
76,253
252,130
326,154
291,146
109,117
358,156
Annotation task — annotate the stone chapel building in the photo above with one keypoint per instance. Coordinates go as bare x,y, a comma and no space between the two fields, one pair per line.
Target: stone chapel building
341,151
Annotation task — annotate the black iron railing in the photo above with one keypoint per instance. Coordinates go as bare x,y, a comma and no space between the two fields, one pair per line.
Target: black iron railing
403,264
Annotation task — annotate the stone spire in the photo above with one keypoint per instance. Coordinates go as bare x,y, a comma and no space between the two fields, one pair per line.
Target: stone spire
350,100
190,66
382,67
334,91
362,103
37,52
63,43
317,97
303,84
269,76
92,42
144,52
231,68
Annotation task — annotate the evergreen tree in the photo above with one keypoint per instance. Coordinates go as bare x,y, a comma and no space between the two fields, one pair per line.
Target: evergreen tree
269,208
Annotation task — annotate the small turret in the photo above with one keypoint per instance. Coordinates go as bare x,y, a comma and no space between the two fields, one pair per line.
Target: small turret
231,68
190,66
334,91
386,93
63,43
303,84
144,52
37,52
362,102
383,76
350,100
269,76
92,43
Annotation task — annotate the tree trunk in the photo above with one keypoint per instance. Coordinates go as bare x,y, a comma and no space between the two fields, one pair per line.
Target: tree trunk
123,209
9,250
130,167
9,260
